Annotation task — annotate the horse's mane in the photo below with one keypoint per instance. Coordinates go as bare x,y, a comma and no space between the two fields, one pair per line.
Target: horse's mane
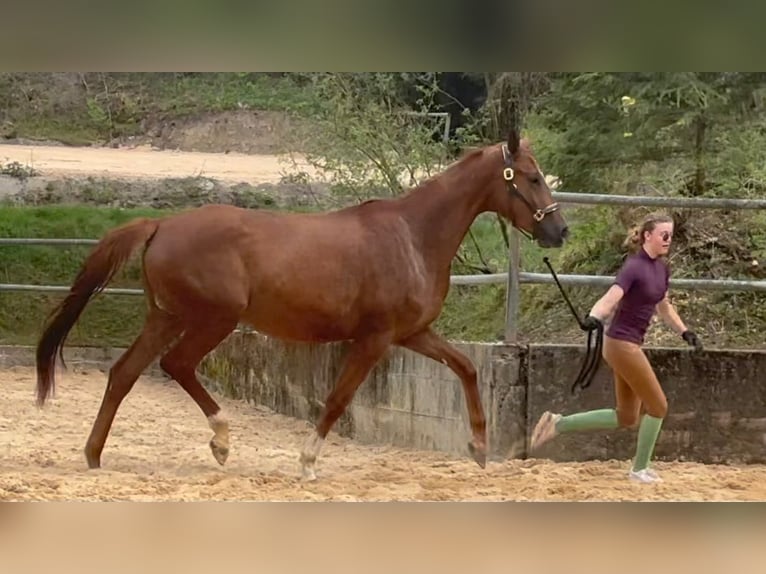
466,156
468,152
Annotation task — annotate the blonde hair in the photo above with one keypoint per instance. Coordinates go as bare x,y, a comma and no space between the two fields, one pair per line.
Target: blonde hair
635,238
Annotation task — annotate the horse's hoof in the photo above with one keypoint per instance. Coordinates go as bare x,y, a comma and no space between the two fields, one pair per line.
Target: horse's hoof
93,460
478,454
307,467
220,452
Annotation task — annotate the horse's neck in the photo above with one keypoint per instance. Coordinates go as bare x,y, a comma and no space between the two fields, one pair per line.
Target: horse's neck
441,212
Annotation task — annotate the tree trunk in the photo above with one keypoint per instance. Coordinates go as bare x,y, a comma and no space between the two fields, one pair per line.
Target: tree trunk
700,129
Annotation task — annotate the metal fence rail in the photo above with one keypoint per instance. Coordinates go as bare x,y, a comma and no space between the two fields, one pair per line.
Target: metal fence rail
658,201
63,289
44,241
58,242
606,280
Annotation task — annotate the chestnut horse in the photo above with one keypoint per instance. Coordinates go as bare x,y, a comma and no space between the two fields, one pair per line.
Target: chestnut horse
374,274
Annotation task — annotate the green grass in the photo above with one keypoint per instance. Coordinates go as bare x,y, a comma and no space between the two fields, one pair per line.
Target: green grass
229,91
109,319
70,129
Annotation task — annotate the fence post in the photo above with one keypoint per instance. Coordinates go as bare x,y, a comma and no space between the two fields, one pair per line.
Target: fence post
512,289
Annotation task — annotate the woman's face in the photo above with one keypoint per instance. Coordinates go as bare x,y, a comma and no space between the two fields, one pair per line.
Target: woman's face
658,240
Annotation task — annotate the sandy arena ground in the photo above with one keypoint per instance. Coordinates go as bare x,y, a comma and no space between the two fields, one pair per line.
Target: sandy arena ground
158,451
146,163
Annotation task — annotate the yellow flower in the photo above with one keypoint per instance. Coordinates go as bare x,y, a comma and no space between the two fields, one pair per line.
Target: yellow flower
627,101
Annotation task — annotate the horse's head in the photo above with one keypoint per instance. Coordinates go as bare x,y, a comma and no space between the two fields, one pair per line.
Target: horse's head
521,195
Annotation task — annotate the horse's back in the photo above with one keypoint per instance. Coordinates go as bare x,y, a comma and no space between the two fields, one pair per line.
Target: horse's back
219,242
326,273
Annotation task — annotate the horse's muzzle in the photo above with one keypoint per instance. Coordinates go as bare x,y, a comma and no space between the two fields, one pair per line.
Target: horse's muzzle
551,236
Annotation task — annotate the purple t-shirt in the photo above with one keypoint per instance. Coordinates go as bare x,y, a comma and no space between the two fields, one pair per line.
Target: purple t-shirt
644,281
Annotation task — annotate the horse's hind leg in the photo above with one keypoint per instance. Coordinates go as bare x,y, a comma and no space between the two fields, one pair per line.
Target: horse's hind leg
181,362
361,358
159,330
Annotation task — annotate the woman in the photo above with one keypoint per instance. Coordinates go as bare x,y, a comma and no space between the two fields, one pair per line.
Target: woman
639,289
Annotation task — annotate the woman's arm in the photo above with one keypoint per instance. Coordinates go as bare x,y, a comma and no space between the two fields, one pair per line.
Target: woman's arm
667,312
604,307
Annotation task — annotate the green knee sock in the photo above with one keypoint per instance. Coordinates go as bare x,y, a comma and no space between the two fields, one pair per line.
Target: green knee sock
591,420
648,432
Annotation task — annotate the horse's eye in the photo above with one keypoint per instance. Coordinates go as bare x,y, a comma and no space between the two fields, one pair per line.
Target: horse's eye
534,180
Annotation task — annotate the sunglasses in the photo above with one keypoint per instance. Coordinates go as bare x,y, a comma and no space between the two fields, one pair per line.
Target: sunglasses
666,235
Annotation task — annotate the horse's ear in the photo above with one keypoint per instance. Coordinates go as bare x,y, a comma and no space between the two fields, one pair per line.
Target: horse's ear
513,141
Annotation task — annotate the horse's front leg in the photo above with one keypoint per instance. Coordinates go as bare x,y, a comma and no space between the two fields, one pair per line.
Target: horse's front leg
431,345
362,356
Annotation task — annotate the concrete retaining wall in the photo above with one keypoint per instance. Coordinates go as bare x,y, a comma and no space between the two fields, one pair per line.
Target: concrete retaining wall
99,358
717,398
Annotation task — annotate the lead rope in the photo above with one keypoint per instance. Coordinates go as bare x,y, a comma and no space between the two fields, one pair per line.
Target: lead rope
591,362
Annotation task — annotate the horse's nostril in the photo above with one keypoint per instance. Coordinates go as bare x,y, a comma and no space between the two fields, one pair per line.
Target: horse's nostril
565,232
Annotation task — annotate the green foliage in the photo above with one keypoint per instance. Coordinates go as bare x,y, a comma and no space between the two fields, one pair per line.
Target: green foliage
656,133
365,137
17,170
473,313
676,122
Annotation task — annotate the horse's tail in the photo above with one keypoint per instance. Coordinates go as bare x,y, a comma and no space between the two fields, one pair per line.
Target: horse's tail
109,255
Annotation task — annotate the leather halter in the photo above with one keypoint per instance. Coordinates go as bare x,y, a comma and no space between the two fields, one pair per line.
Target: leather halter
508,174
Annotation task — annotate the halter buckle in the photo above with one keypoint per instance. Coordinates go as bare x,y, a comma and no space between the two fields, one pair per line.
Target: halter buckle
508,173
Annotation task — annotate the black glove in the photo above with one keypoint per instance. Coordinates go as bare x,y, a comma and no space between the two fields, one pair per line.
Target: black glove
692,340
591,323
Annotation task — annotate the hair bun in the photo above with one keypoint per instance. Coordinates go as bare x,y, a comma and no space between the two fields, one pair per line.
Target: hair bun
633,240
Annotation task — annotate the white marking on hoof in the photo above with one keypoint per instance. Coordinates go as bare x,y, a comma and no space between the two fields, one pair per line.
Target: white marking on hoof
309,456
308,473
219,444
220,425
